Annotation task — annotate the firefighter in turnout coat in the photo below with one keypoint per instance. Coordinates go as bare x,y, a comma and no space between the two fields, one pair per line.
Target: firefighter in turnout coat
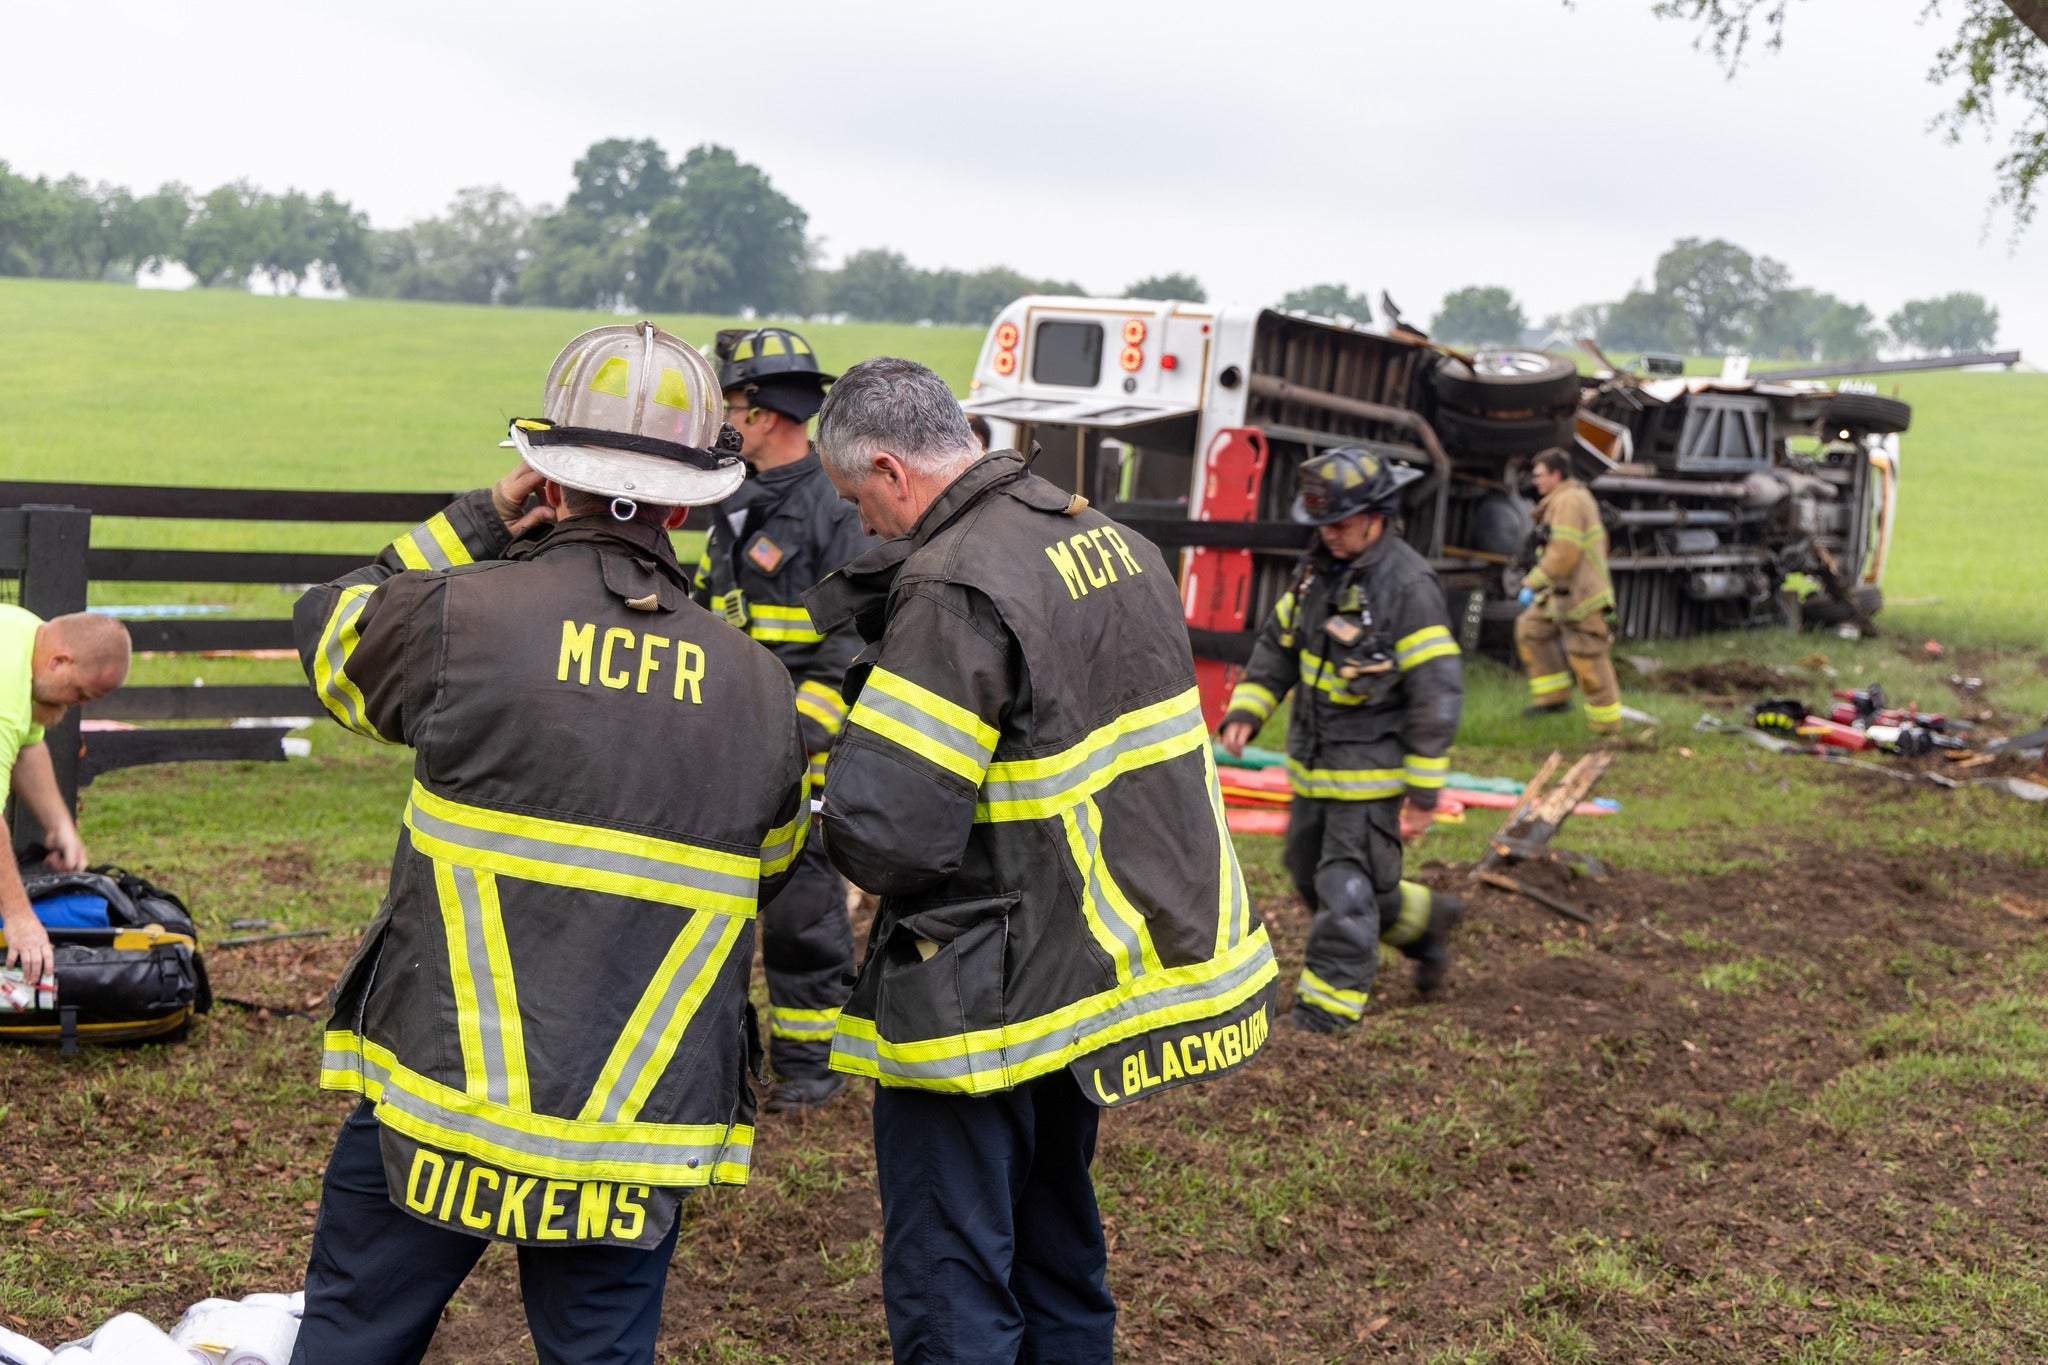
1025,778
1362,641
547,1022
771,542
1562,632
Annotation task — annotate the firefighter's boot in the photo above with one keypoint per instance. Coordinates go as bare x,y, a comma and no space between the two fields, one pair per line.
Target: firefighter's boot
1309,1019
802,1092
1595,674
1433,952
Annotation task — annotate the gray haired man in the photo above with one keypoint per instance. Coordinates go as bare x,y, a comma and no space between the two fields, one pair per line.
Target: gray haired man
1026,781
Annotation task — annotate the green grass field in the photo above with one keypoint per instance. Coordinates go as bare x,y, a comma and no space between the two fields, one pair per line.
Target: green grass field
1932,1068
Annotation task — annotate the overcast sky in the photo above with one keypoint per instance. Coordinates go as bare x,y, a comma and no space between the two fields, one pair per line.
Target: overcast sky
1415,147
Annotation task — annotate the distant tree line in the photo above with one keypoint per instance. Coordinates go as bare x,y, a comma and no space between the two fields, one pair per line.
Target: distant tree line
708,233
1711,296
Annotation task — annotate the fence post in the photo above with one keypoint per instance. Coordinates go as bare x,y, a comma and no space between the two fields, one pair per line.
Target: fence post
53,582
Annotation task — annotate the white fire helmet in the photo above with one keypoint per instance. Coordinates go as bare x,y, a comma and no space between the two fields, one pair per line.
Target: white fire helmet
633,413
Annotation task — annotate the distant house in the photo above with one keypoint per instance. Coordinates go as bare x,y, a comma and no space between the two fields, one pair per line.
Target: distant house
1547,339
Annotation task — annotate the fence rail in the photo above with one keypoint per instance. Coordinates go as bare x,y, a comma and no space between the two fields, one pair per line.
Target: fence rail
44,539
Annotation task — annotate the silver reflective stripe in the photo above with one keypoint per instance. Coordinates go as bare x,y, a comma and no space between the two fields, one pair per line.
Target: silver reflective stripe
1098,894
423,541
337,656
682,1158
581,856
644,1047
1085,769
961,742
497,1067
1076,1036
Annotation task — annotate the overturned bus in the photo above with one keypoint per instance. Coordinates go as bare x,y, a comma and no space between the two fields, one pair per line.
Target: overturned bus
1728,501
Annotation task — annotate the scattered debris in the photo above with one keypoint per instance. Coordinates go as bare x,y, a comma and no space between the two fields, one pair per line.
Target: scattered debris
1934,649
1502,882
245,940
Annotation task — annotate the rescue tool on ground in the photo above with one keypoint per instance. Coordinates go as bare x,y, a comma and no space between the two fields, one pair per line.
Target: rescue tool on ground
547,1022
1361,641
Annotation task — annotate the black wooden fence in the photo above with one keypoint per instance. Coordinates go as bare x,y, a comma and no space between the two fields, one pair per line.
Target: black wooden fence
45,535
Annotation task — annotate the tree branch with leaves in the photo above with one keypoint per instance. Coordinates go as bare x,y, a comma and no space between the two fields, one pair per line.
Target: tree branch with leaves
1997,62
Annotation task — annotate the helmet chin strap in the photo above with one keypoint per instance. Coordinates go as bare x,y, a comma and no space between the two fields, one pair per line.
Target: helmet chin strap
624,509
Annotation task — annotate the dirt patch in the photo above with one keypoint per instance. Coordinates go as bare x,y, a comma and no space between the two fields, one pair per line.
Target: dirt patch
1731,679
1616,1134
1631,1060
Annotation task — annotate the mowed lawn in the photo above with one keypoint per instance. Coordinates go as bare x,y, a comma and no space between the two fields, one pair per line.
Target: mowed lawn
1409,1193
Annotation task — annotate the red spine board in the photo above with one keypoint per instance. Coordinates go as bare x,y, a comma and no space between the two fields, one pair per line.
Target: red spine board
1216,586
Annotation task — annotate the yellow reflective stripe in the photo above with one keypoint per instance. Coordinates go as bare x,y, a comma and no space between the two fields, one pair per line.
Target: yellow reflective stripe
784,842
585,857
1233,920
1040,788
773,612
1284,609
782,625
648,1043
338,639
1320,993
1426,772
1599,601
1318,673
830,708
1413,922
1345,784
927,724
1600,715
468,1029
1112,919
1431,642
433,544
999,1058
512,1031
817,773
534,1144
487,1020
409,552
443,532
1250,696
802,1026
1550,682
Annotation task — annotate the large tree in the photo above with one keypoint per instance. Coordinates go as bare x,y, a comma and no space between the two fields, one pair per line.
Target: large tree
1997,60
229,235
1179,285
1330,301
618,176
1479,314
1949,325
1718,288
724,241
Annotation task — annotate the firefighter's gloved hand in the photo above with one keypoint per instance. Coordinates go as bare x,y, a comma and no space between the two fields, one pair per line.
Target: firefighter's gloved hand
1526,596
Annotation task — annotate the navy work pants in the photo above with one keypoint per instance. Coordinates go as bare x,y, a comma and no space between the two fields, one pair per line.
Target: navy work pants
379,1278
992,1248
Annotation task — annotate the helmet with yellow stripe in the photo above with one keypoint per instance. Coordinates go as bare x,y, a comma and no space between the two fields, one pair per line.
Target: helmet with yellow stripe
632,412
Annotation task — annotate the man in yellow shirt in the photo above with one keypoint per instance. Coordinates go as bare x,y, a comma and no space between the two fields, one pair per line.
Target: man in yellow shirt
46,667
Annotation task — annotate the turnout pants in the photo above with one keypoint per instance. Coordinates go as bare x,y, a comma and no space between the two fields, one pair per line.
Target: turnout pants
1554,653
379,1278
1345,859
992,1247
807,948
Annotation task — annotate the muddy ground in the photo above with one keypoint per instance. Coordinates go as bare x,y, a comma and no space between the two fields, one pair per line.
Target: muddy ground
1612,1141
